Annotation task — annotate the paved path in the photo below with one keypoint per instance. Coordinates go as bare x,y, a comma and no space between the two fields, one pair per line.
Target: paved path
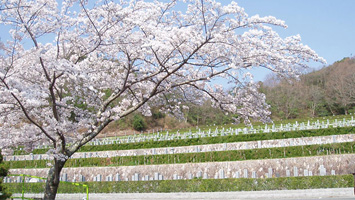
331,194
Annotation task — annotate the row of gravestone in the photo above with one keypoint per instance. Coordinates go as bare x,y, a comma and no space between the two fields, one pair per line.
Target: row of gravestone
158,176
225,132
222,132
197,148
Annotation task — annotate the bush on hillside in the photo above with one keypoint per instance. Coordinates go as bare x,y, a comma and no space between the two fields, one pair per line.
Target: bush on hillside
139,123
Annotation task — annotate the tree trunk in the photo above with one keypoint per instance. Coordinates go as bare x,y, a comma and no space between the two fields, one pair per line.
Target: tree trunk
53,179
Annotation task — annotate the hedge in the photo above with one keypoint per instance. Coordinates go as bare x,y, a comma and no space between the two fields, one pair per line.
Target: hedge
200,185
211,156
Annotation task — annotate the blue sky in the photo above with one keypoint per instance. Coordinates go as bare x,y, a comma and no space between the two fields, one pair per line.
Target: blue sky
327,26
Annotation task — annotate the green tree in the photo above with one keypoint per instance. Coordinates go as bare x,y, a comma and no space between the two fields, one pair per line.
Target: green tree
139,123
3,172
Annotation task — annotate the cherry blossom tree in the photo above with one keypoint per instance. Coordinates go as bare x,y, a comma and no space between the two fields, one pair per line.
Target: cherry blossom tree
68,69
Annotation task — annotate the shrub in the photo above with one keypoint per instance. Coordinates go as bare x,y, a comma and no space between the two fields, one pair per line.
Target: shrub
139,123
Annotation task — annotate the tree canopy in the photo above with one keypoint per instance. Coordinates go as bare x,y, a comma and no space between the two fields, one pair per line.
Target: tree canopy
328,91
69,69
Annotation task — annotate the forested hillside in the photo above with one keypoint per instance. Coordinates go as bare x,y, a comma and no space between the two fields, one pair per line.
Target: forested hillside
329,91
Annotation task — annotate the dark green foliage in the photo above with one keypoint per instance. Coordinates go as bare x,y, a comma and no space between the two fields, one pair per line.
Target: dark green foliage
214,156
139,123
158,115
203,185
4,194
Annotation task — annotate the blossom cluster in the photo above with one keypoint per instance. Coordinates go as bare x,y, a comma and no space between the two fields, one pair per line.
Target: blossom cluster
71,68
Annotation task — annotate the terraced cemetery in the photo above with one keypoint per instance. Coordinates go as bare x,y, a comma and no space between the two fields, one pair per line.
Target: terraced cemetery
316,154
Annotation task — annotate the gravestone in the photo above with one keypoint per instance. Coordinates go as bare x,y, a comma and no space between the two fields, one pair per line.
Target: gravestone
146,177
216,176
245,131
136,176
205,175
305,172
117,177
295,171
270,172
266,129
175,176
82,178
288,173
65,177
259,144
333,172
99,177
109,177
34,180
253,174
156,176
237,175
221,174
334,138
282,144
189,176
322,170
199,174
161,177
197,149
245,173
